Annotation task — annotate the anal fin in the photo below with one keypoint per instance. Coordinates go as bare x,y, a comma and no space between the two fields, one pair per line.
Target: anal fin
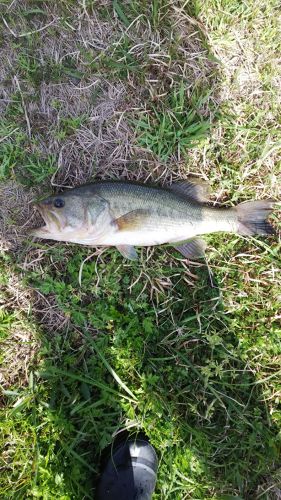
128,251
193,249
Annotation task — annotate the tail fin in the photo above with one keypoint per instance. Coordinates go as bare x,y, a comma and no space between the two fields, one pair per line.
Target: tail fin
252,217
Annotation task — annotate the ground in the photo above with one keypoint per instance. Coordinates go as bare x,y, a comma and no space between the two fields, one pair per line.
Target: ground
92,343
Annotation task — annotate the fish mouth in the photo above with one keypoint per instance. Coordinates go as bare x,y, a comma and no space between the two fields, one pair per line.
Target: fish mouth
52,223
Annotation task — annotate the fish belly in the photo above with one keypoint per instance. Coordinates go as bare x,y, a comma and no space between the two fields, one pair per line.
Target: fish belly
217,225
150,236
171,231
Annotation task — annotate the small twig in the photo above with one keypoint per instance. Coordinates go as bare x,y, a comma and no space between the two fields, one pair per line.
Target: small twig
11,5
24,107
9,134
81,267
88,86
85,8
20,35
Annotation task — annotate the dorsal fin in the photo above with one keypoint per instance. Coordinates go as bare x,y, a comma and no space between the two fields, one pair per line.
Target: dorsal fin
193,188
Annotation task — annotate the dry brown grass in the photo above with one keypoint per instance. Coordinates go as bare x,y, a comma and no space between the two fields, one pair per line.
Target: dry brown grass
30,311
105,142
104,145
21,346
16,214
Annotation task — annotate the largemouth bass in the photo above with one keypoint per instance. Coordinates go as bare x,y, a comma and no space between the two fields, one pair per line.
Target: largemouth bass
128,214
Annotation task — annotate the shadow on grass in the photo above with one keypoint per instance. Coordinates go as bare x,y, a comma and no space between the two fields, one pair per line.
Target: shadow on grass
143,349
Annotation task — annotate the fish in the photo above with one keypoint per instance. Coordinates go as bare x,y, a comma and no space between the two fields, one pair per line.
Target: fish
130,214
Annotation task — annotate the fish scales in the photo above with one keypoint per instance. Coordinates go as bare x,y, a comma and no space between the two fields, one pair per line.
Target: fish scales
124,214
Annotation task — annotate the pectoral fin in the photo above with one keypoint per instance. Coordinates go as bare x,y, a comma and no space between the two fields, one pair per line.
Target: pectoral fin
193,249
128,251
132,220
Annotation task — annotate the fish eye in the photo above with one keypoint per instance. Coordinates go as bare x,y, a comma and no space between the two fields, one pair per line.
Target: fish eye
59,203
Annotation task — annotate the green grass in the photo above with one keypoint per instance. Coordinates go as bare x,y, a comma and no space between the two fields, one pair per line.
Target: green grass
175,128
20,157
197,376
191,358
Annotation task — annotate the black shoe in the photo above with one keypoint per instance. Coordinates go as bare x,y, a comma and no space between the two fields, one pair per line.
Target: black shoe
129,472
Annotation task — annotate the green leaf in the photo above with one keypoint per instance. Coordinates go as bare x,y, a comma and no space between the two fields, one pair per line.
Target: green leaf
120,13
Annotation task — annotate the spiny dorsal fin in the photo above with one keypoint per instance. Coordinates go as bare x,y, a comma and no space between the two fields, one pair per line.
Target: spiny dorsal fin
193,188
192,249
132,220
